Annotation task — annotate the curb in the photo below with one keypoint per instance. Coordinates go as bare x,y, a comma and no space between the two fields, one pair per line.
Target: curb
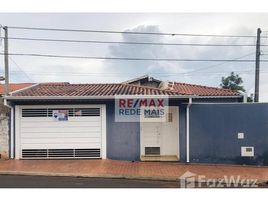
106,176
111,176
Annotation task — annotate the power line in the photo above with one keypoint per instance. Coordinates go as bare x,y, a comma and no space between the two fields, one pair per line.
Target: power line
213,73
116,75
128,32
130,59
135,43
21,69
216,65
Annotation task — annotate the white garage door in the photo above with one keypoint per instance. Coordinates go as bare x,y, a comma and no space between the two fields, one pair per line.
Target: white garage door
61,132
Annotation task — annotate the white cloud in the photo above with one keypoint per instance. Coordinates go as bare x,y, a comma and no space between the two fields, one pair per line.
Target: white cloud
134,68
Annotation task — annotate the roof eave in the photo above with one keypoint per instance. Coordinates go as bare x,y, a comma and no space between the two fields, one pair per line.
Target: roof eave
106,97
11,98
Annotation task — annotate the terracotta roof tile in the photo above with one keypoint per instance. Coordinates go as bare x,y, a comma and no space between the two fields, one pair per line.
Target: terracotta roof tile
191,89
14,86
66,89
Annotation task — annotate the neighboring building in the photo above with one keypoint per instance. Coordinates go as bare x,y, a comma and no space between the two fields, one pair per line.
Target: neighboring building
13,87
4,118
63,120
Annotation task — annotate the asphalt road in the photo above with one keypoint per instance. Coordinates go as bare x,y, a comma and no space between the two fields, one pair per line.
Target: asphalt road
12,181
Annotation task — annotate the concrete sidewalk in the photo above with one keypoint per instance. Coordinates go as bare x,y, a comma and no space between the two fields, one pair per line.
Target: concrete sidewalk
125,169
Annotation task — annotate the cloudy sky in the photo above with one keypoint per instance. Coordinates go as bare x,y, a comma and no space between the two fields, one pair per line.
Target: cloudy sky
39,69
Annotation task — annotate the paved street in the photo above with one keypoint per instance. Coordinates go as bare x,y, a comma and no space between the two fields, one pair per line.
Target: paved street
12,181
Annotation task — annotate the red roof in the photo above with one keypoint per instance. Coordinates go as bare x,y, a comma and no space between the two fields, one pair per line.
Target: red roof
112,89
67,89
199,90
13,87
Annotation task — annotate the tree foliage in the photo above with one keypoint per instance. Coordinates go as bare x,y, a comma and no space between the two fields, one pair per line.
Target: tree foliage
233,82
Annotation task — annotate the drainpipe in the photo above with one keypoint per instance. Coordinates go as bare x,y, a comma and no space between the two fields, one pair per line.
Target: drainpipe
11,138
188,131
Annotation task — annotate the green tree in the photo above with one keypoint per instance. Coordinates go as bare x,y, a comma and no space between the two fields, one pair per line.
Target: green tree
233,82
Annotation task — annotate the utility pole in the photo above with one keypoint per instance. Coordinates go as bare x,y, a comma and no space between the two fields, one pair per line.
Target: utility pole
257,65
6,61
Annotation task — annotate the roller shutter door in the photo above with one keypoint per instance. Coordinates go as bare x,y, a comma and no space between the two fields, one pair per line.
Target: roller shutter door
43,135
